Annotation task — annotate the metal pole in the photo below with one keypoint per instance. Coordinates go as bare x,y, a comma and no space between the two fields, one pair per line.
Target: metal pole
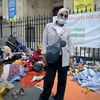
11,27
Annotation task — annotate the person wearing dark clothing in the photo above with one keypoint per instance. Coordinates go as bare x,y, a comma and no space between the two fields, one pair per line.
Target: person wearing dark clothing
12,42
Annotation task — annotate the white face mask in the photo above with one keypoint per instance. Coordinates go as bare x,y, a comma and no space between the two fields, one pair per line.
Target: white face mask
61,21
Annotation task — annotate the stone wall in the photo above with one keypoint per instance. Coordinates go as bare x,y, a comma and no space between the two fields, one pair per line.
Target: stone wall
39,7
32,7
97,2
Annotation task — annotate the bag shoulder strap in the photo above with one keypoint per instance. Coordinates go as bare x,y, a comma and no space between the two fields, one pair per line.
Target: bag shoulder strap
58,37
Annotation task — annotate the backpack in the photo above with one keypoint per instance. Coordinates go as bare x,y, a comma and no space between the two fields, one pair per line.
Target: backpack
53,51
38,67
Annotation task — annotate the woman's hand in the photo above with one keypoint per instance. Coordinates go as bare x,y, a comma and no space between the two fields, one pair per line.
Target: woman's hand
70,61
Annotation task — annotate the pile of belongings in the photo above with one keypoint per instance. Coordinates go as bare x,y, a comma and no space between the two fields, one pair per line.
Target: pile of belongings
89,77
77,66
12,72
5,86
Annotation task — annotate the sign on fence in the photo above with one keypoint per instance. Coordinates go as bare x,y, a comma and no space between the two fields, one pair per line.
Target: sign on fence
85,29
12,10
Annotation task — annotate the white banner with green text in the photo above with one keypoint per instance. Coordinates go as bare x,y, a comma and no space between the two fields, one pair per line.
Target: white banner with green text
85,29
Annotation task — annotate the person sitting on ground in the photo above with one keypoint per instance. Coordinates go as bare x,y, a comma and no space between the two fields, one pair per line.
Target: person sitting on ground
13,43
37,54
7,53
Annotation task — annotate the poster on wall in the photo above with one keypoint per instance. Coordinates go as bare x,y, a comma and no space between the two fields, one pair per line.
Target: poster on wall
12,10
83,5
85,29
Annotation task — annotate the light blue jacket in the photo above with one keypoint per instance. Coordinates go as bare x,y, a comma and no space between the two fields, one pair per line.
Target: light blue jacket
50,37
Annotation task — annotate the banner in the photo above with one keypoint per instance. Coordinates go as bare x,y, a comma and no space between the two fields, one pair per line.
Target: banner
81,5
12,10
85,29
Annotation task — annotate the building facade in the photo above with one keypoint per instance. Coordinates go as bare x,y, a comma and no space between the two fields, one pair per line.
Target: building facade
40,7
33,7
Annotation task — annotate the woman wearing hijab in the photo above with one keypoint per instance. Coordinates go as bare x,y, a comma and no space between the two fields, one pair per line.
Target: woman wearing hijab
51,34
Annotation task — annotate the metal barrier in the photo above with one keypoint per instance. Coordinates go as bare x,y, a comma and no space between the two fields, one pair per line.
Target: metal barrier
30,30
89,54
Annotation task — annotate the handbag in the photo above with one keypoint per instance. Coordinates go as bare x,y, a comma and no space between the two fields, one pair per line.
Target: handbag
53,51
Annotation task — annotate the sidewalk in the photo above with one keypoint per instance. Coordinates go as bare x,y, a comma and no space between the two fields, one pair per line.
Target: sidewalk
32,93
75,92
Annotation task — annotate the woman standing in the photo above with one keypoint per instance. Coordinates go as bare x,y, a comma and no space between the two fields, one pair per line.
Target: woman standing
51,33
